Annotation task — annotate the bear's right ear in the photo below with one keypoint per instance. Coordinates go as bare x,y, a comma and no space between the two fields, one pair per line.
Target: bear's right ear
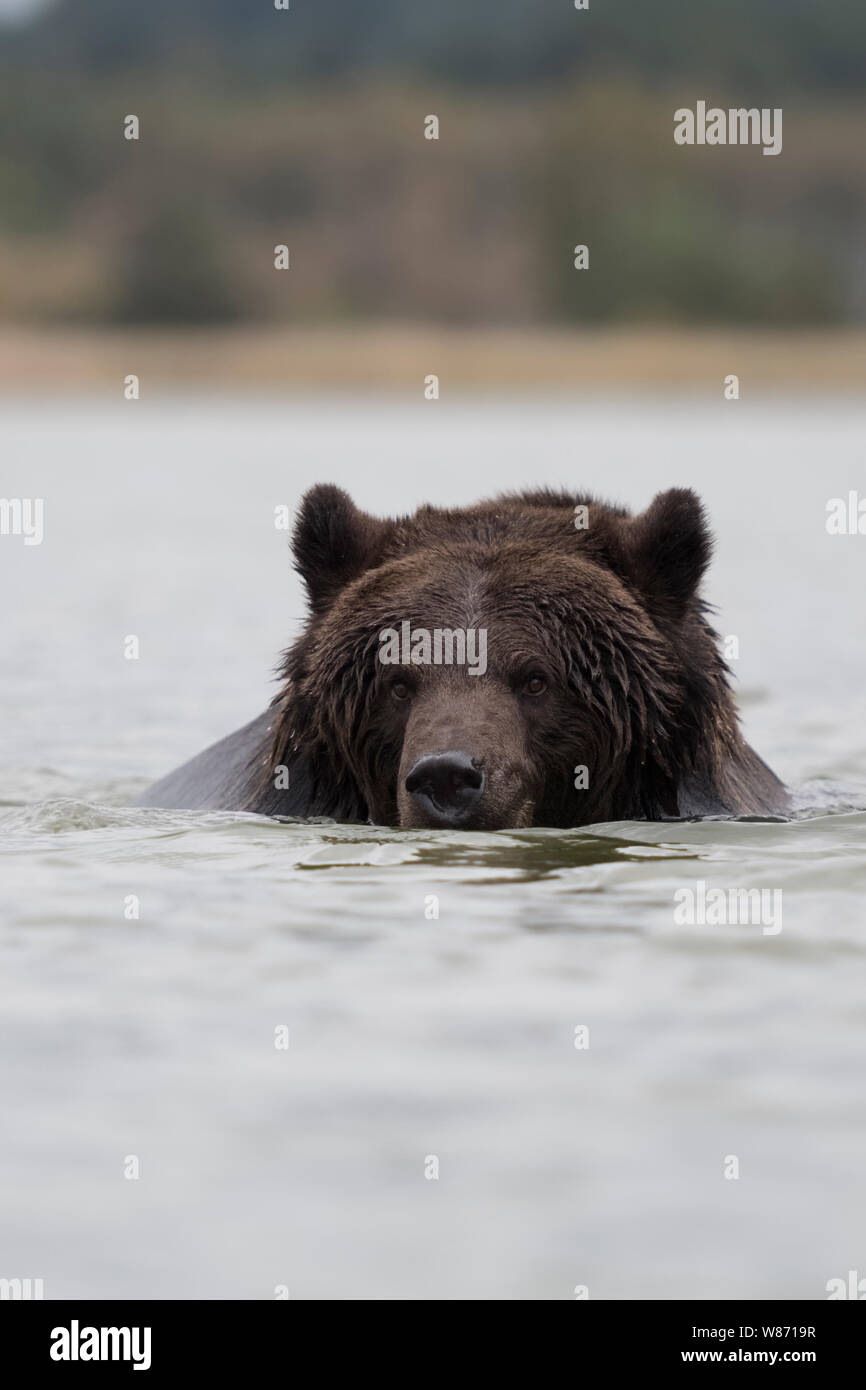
333,542
670,547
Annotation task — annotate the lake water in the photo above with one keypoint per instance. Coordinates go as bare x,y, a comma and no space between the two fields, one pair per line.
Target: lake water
411,1039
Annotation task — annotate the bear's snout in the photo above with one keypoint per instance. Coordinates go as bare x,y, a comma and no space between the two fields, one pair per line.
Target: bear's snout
446,786
464,763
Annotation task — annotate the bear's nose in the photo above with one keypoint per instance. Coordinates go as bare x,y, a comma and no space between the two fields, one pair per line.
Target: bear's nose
446,785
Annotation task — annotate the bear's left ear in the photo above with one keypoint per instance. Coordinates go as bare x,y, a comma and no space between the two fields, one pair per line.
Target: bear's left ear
333,542
669,548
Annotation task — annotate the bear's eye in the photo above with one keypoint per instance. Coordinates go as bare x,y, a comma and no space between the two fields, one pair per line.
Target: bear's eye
400,690
535,684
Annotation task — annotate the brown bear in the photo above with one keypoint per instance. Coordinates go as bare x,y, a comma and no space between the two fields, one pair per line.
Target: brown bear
540,659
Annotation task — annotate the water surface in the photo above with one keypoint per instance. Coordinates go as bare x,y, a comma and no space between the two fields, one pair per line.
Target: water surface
414,1037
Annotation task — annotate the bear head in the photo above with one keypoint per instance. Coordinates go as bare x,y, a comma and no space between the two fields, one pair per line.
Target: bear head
537,659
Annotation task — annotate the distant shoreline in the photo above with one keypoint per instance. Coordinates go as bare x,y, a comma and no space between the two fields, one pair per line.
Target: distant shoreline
398,358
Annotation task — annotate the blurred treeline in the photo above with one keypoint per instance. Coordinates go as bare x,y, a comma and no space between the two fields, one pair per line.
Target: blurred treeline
306,127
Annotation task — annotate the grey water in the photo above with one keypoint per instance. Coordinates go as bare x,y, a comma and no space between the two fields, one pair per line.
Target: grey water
431,1131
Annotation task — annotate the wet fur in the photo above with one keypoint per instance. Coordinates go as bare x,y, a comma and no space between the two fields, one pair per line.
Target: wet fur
643,697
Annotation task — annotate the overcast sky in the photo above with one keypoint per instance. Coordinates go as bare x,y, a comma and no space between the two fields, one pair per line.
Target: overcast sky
21,9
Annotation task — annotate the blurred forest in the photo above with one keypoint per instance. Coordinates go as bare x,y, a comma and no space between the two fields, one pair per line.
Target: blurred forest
306,127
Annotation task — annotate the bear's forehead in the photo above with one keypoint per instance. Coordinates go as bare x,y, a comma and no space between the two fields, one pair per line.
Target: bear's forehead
512,589
490,574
